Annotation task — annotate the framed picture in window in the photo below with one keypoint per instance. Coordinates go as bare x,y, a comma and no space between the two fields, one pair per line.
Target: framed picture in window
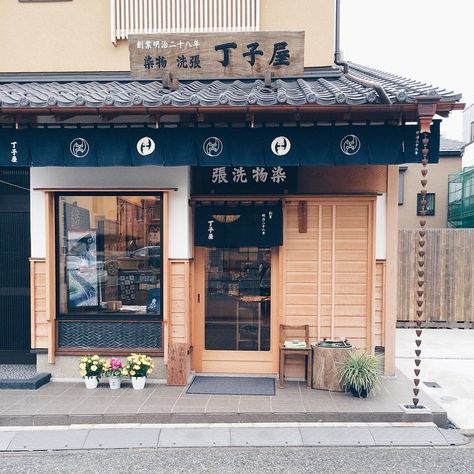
81,269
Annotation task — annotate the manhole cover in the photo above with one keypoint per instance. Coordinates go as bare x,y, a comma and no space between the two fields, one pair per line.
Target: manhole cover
432,384
447,398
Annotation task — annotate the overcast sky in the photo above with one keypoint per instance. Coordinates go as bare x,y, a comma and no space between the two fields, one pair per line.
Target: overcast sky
426,40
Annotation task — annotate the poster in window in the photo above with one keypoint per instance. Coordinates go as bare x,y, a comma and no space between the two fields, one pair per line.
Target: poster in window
81,268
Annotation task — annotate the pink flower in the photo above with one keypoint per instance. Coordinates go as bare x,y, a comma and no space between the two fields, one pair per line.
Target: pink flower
115,364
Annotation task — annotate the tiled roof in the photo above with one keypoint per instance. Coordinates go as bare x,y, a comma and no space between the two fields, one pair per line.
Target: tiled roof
451,146
357,86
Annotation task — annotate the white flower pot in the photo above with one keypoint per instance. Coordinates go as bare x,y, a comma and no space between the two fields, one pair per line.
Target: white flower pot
91,382
115,382
138,383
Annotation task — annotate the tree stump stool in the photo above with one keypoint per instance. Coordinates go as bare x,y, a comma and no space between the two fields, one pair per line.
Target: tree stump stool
326,363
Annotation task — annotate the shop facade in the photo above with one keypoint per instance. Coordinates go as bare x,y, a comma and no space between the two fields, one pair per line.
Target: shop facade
188,214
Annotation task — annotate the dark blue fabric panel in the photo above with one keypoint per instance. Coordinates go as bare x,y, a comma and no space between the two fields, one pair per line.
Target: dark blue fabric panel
213,146
180,147
146,146
45,147
254,226
317,146
113,147
384,144
351,145
282,146
14,148
247,146
412,143
79,146
218,147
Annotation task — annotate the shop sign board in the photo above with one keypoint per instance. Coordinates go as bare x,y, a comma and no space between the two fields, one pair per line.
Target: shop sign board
217,55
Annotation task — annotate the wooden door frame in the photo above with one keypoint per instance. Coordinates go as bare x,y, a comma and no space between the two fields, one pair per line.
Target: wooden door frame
271,357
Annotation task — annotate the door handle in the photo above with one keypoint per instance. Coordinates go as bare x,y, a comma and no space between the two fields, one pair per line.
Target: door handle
199,297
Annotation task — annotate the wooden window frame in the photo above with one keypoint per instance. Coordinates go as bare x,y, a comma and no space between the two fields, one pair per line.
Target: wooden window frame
97,315
431,199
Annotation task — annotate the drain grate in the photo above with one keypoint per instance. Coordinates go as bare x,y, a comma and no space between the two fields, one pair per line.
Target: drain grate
432,384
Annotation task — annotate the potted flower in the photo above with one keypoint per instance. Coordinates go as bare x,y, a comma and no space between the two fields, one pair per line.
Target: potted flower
114,370
360,373
90,368
138,366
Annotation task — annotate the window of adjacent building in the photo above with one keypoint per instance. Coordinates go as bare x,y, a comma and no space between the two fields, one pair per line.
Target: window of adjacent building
109,258
401,184
430,204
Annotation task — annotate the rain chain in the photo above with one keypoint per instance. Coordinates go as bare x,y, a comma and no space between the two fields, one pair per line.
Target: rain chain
421,290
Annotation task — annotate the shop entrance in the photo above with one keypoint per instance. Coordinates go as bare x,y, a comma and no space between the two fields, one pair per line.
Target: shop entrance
233,324
15,274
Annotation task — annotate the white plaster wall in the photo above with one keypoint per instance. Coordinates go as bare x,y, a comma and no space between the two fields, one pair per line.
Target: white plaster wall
116,177
468,157
381,228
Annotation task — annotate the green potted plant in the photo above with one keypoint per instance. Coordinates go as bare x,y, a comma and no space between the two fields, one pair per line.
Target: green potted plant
360,373
90,368
138,366
114,370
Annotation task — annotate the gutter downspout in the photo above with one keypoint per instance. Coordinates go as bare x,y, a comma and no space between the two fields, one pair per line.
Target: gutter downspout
338,59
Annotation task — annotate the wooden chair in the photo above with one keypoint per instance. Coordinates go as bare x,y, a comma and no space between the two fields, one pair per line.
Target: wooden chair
289,333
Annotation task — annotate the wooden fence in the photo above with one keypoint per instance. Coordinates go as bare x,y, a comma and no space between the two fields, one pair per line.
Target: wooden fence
449,276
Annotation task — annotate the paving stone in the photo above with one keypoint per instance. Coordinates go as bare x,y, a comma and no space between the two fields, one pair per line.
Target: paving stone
122,438
48,440
453,437
337,436
265,437
194,437
408,436
5,439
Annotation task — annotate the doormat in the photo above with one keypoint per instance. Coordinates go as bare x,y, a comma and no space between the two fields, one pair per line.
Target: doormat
210,385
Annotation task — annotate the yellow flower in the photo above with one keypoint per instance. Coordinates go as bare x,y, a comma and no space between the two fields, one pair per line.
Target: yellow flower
93,368
148,371
95,357
132,373
84,359
82,366
136,367
83,373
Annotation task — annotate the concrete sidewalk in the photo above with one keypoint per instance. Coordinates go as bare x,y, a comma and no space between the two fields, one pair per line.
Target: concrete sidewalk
71,403
447,375
227,435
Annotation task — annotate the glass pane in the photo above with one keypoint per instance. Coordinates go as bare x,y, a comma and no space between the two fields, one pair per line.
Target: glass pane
109,255
238,295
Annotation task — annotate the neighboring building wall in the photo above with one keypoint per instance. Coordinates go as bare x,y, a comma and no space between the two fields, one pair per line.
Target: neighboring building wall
81,39
468,157
437,183
468,136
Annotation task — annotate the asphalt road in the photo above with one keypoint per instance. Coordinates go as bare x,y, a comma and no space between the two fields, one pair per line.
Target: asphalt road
248,460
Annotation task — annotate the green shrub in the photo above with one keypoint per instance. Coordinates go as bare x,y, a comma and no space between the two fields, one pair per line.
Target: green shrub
360,373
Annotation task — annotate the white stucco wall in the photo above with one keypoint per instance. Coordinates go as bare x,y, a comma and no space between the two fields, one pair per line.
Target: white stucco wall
381,228
149,177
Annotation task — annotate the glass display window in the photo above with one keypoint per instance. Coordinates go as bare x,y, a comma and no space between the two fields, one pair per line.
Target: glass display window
109,255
